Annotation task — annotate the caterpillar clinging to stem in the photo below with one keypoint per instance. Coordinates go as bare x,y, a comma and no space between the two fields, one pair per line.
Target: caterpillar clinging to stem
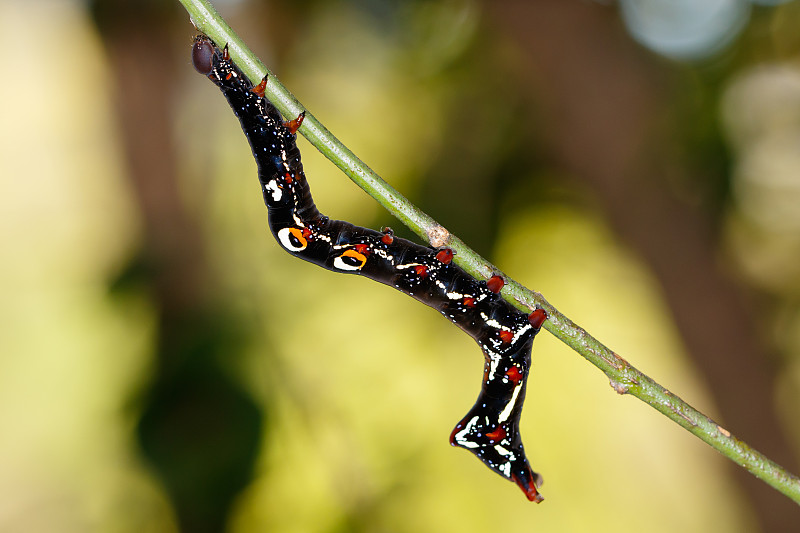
490,430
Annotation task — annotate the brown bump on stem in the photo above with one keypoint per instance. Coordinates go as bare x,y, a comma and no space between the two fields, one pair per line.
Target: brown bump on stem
724,431
619,388
438,236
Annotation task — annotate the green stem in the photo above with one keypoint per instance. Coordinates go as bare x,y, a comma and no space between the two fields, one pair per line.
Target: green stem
624,378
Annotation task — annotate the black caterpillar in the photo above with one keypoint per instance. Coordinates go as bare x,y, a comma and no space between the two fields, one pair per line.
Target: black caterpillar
490,429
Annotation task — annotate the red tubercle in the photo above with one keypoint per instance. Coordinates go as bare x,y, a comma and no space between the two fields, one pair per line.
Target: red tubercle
445,256
421,270
307,233
495,283
506,336
294,124
514,375
228,76
287,178
363,249
497,435
537,318
388,236
468,302
261,88
528,487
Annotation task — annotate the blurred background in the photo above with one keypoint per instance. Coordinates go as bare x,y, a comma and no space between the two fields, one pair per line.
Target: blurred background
165,367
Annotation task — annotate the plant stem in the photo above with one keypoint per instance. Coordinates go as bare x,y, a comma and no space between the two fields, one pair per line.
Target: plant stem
624,378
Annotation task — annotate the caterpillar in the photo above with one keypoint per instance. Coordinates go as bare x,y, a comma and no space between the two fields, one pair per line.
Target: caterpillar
490,429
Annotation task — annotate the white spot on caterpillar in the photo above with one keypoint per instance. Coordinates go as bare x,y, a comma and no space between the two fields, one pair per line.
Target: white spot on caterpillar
505,468
407,266
461,435
495,362
520,332
502,451
490,321
274,190
510,405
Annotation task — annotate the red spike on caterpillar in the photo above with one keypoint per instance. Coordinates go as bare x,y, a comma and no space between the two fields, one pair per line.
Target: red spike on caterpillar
445,255
495,283
388,236
537,318
261,88
294,124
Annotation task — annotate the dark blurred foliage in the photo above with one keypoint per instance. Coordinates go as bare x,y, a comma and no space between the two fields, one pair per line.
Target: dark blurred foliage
199,427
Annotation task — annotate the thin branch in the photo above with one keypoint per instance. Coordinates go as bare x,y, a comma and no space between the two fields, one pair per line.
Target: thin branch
624,378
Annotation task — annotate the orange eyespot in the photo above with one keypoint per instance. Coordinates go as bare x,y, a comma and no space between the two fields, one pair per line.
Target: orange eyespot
293,239
350,260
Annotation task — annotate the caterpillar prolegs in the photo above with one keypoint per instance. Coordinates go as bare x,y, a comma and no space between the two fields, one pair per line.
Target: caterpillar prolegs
490,430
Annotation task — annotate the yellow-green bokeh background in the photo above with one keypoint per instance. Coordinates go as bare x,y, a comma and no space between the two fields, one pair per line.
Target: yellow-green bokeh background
371,382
